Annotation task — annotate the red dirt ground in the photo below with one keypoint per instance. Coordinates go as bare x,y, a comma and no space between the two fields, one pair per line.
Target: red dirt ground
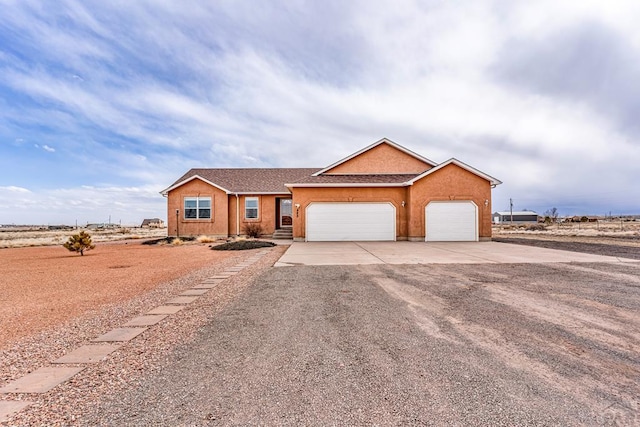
44,286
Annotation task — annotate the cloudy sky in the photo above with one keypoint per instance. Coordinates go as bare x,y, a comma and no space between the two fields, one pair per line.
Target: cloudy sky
106,103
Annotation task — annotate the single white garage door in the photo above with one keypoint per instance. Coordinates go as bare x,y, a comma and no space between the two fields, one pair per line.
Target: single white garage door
451,222
332,222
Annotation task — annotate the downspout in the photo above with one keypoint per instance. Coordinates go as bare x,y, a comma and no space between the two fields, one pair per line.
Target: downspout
237,215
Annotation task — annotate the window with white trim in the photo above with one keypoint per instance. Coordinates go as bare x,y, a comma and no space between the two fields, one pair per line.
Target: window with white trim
250,208
197,207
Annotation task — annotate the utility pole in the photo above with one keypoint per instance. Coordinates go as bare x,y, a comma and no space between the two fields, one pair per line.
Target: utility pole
511,208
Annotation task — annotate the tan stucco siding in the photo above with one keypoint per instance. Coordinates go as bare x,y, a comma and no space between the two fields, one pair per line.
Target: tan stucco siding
304,196
266,213
224,218
450,183
217,225
383,159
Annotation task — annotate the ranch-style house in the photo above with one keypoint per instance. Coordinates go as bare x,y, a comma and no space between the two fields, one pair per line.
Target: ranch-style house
382,192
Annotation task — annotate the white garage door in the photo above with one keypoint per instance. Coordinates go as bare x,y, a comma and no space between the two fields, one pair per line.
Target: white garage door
334,222
451,222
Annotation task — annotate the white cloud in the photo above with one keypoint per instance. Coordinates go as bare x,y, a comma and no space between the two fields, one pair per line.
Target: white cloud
86,204
301,85
13,189
49,149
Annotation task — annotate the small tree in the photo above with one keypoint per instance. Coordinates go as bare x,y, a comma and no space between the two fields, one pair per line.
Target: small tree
79,243
552,214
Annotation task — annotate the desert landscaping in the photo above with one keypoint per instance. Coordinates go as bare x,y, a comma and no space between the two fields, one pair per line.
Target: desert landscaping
45,285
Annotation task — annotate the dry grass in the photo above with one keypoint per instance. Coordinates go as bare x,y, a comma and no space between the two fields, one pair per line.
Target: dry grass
628,229
205,239
31,238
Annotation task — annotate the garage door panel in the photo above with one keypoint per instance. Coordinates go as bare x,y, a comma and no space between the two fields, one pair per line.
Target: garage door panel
451,221
350,221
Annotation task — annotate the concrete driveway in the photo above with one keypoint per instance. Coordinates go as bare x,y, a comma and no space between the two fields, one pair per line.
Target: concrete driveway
357,253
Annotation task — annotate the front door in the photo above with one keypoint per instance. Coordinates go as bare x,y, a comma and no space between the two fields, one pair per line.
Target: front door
286,214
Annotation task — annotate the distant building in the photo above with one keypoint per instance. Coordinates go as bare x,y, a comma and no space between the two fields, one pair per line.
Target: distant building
152,223
519,217
100,226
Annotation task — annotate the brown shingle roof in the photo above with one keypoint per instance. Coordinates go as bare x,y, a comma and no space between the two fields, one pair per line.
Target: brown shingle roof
250,180
355,179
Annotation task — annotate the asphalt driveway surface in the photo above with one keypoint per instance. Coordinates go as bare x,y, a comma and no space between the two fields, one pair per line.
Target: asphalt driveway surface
508,344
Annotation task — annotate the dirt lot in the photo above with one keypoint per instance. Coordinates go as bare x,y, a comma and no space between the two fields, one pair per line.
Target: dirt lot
45,286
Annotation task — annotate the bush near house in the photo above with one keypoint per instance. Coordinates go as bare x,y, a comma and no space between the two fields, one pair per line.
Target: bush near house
253,229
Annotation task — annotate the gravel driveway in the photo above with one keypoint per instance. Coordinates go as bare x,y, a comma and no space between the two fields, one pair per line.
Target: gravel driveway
534,344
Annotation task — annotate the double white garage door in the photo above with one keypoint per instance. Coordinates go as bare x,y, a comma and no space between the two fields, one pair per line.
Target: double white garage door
445,221
334,222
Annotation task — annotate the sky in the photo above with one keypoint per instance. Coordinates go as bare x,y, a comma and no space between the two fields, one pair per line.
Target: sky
103,104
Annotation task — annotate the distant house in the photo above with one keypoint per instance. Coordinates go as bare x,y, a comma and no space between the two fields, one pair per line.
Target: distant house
100,226
519,217
152,223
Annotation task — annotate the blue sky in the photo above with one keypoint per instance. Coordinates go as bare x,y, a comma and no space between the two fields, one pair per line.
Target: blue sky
104,104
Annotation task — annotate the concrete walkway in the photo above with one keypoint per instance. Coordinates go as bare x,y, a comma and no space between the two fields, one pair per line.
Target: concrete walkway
354,253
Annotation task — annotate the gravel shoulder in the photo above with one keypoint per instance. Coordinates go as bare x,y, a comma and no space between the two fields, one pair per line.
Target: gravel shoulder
514,344
616,247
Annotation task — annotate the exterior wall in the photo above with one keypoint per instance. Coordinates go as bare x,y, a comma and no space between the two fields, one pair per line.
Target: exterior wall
217,226
302,197
224,218
266,213
381,159
449,183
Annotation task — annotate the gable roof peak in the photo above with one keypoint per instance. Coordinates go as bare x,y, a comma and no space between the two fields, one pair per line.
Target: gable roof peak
375,144
493,181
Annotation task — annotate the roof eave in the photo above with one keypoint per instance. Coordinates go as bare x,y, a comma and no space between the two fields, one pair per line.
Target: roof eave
263,193
351,185
191,178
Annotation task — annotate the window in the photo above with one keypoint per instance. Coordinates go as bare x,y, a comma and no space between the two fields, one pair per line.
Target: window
197,207
251,208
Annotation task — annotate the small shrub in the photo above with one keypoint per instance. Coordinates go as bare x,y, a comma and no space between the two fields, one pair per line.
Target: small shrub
253,229
168,240
205,239
537,227
177,242
79,243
